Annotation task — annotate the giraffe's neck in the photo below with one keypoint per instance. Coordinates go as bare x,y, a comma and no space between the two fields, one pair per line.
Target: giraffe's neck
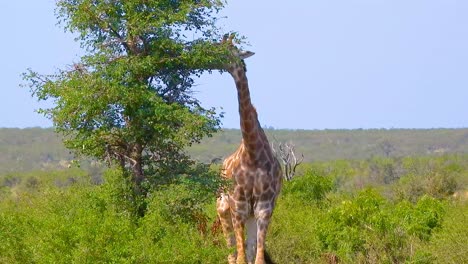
252,133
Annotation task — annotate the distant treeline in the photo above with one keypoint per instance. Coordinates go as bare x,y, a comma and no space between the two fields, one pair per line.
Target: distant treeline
358,144
38,148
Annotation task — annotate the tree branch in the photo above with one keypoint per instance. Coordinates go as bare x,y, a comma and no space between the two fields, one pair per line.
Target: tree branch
286,153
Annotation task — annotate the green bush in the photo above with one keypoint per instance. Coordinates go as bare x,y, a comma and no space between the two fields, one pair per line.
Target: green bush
320,217
292,233
175,228
35,181
437,177
65,226
435,184
309,188
13,248
85,223
422,218
369,228
448,243
119,193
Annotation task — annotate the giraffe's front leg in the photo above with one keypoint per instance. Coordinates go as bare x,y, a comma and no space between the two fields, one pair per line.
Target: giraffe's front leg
263,220
251,226
224,214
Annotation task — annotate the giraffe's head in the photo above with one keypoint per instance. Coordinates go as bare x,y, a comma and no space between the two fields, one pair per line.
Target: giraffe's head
237,55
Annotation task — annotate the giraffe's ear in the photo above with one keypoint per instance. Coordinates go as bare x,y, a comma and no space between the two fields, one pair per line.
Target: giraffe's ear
244,54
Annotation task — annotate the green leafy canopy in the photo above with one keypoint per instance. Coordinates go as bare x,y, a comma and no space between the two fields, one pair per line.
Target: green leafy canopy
129,98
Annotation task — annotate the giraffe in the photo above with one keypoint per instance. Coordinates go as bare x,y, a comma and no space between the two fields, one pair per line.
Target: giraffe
256,177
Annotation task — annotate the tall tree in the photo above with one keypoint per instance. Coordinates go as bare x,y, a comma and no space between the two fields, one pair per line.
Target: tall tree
129,99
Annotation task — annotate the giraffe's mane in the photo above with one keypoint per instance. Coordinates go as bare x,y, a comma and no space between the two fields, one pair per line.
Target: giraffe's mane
244,66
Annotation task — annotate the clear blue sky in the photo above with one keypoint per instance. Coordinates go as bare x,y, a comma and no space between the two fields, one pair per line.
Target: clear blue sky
318,64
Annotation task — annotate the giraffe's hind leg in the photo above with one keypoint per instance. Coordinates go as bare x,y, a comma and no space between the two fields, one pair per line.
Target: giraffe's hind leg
224,214
239,224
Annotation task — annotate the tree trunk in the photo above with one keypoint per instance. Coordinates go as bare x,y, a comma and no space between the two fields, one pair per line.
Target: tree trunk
137,171
137,168
138,177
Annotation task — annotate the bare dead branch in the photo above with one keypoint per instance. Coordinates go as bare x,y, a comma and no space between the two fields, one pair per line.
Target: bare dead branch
287,154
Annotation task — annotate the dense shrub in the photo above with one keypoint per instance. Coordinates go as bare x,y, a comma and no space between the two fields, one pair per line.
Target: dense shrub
311,187
292,233
448,244
422,218
437,183
174,230
369,228
119,192
85,223
322,216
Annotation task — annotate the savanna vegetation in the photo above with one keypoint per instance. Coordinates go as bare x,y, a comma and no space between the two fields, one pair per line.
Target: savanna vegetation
145,191
334,144
379,210
41,149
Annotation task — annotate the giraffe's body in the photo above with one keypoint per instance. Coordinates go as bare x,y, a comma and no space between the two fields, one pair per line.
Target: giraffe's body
256,177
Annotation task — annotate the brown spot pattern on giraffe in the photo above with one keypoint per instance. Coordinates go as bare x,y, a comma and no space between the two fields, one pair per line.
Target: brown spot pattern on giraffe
255,171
